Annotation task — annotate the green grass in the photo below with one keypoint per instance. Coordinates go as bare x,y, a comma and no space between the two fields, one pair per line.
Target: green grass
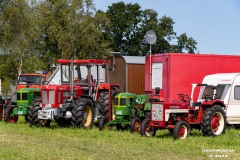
19,141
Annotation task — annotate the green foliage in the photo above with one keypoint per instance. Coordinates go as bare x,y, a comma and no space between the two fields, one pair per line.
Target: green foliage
129,24
71,27
34,34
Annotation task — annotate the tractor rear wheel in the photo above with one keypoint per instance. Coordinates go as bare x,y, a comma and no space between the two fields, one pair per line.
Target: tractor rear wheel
214,121
135,125
146,130
104,100
7,115
83,113
181,130
102,123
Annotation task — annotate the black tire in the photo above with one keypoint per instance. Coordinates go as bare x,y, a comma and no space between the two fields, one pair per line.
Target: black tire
146,130
1,112
104,100
83,113
170,130
213,121
102,123
181,130
7,115
135,125
32,115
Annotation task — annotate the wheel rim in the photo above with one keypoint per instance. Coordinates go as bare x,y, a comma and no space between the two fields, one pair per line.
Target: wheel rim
43,122
217,123
148,131
13,119
137,126
182,133
87,116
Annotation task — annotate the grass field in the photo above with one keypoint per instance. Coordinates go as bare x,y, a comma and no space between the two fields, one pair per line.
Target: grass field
19,141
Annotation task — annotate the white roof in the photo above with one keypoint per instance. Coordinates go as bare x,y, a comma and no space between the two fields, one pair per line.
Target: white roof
220,78
134,59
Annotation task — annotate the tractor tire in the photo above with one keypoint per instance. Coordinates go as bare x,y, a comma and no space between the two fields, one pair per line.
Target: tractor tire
83,113
33,118
213,121
181,130
135,125
7,115
1,112
102,123
104,100
170,130
146,130
32,115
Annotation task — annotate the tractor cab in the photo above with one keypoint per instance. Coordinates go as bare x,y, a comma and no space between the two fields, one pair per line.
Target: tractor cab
85,73
30,81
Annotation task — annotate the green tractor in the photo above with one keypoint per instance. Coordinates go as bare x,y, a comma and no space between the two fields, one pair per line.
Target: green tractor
129,110
25,98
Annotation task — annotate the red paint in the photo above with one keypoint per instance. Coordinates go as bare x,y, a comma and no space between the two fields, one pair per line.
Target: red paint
181,70
181,132
215,123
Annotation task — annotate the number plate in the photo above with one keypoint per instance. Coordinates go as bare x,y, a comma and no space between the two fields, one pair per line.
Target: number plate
118,112
19,113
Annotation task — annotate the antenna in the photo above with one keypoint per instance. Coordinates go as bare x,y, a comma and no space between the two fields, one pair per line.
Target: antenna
151,39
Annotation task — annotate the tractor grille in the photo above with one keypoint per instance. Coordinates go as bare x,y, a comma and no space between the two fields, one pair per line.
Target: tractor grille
24,96
48,96
122,101
157,112
18,96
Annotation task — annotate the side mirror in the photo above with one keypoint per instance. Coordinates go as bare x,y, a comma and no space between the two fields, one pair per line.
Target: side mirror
157,90
104,65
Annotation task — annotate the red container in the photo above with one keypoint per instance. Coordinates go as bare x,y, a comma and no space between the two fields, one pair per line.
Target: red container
175,72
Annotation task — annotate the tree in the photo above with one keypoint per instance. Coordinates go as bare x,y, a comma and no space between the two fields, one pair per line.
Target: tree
18,34
71,27
129,24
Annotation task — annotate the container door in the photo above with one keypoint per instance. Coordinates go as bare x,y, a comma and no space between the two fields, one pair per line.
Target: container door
233,107
157,72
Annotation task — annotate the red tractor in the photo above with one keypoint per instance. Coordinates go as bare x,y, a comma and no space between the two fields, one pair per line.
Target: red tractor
180,117
84,93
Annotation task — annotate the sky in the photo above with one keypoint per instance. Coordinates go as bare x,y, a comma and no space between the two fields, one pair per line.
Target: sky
214,24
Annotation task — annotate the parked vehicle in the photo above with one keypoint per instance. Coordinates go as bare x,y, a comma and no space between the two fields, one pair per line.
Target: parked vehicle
84,93
174,72
180,117
129,109
27,88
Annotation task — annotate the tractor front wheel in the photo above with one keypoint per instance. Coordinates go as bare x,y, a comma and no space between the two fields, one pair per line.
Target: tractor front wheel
33,118
146,130
7,115
214,121
181,130
83,113
102,123
135,125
